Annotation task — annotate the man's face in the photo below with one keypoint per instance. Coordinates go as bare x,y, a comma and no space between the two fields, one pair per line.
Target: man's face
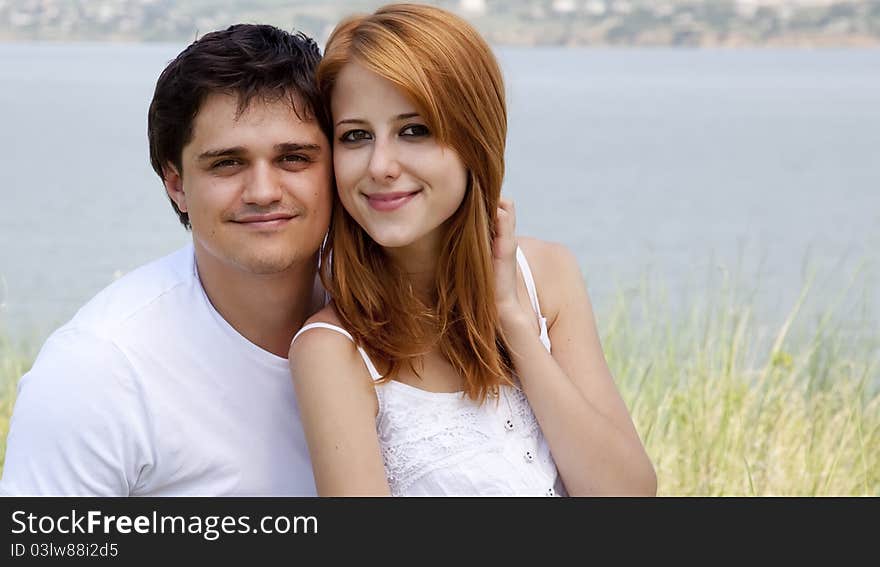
257,187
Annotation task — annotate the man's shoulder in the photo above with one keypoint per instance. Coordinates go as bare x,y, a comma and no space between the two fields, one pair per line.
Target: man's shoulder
120,303
93,342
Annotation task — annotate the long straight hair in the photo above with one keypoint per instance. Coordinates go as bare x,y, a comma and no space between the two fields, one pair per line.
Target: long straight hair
449,72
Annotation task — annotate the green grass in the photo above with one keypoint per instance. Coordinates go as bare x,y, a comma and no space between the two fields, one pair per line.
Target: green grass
15,360
725,404
729,407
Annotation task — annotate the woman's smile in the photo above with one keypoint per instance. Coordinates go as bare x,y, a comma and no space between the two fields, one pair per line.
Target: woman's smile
387,201
393,175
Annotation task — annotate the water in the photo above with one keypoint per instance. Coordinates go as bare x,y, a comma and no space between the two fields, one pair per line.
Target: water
682,165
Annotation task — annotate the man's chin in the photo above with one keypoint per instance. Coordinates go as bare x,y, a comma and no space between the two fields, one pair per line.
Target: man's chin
267,265
257,258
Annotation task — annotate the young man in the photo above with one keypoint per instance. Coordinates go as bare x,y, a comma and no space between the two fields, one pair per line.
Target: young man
173,380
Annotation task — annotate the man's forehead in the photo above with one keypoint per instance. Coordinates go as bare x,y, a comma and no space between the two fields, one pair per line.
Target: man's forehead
222,117
235,107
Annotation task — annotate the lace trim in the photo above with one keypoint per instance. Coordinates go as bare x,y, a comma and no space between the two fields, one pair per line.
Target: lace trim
418,436
421,434
522,411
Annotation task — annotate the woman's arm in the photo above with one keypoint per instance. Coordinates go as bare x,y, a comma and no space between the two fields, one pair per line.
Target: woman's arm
572,393
338,406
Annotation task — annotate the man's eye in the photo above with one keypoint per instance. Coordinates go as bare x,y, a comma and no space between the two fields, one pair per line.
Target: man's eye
354,136
296,158
417,130
224,163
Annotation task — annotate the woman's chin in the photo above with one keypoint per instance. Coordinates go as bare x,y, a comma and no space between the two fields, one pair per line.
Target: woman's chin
393,236
392,240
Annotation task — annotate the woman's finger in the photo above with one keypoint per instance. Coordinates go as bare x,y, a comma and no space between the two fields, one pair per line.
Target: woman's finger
504,245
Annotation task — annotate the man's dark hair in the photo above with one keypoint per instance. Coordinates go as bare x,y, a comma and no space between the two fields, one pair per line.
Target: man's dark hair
246,60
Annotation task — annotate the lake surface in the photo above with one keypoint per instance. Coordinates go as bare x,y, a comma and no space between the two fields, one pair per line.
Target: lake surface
676,165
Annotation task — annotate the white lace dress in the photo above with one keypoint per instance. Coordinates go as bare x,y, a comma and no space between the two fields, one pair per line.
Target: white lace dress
445,444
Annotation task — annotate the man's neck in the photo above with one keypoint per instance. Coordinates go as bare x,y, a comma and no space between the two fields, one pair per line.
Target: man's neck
266,309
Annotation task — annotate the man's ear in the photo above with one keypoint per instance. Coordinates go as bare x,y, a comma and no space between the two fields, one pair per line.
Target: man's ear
174,186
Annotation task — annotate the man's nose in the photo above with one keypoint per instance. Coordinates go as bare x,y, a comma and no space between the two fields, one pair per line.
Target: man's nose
263,185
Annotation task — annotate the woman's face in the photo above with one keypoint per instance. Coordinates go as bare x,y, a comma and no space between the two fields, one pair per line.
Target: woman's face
393,176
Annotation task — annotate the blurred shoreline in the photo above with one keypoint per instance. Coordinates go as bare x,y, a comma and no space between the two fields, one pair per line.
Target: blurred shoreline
600,23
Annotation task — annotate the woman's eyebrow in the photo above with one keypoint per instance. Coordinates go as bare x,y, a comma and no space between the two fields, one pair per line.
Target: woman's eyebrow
406,115
351,121
399,117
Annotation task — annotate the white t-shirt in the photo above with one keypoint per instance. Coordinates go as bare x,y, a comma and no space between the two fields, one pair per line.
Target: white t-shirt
149,391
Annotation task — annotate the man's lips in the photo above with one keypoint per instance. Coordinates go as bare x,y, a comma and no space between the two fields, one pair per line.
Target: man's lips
391,200
264,221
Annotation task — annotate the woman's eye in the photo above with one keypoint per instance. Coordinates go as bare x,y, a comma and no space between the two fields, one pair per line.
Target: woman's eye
354,136
415,130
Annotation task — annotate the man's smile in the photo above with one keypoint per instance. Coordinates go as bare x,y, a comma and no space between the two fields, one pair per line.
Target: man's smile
265,221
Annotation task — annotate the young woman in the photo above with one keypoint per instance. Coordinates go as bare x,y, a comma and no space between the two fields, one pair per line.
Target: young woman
431,371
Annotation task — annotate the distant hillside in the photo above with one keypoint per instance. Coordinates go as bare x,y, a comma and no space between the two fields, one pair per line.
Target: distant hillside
698,23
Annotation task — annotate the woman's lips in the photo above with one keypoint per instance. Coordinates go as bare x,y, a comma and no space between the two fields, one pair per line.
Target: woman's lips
390,201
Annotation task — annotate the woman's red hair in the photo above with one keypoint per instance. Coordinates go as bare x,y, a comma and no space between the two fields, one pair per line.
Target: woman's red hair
449,72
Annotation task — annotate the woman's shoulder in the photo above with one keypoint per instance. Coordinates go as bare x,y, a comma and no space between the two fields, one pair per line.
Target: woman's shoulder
315,339
327,315
324,361
546,257
556,272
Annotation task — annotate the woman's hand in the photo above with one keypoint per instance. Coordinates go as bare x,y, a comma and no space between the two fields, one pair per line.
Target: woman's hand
504,258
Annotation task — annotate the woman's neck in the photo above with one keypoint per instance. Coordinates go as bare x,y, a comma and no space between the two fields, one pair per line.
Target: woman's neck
418,262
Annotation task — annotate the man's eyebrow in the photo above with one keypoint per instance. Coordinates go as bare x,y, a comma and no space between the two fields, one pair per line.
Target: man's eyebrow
403,116
211,154
297,147
239,150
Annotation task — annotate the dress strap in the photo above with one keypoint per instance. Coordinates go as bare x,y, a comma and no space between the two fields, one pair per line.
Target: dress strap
374,374
533,296
530,281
